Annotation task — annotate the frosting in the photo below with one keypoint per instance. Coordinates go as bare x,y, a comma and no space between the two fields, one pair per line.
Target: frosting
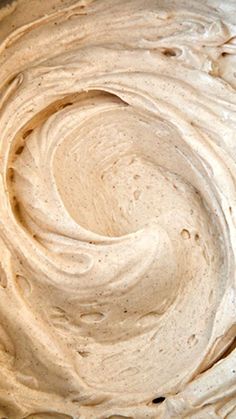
117,224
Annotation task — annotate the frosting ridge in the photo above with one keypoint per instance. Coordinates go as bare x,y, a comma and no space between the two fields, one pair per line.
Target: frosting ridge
117,229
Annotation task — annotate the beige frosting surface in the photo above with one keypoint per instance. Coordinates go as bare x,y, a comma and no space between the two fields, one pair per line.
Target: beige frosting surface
117,209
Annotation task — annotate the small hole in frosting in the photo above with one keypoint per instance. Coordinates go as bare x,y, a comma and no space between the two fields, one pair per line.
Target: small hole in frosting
158,400
19,150
64,105
84,354
197,237
17,207
192,340
168,52
27,133
11,174
185,234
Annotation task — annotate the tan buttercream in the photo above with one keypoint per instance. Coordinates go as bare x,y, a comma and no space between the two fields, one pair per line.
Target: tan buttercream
117,215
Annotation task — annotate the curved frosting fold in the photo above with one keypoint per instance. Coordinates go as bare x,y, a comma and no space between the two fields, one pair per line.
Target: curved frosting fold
117,215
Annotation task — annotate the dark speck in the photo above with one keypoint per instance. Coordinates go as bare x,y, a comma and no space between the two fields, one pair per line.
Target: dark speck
158,400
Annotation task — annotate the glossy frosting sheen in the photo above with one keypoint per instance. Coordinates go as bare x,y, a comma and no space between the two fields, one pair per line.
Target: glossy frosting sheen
117,214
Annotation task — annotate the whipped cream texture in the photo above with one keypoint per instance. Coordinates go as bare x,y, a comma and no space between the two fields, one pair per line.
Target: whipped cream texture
117,213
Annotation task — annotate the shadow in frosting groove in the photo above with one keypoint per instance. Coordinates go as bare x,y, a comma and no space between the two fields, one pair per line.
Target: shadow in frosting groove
117,229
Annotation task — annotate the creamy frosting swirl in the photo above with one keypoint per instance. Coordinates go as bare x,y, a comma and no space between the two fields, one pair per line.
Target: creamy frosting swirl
117,216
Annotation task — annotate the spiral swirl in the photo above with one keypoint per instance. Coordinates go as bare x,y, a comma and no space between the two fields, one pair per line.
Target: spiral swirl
117,216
